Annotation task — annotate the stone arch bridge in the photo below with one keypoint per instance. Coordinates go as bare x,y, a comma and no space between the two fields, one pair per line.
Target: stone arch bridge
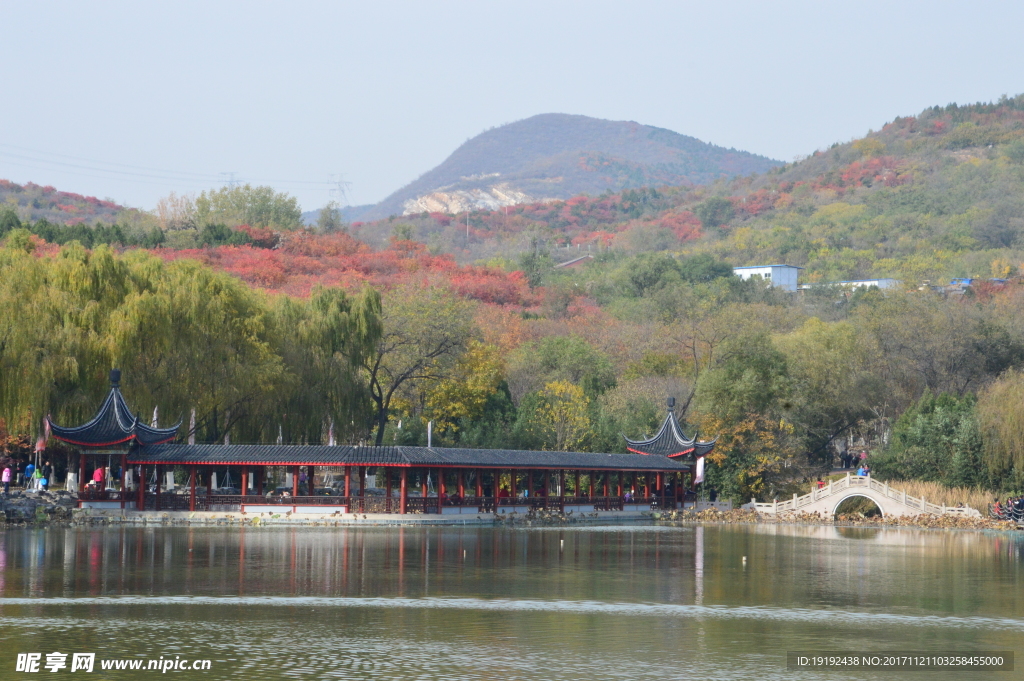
891,501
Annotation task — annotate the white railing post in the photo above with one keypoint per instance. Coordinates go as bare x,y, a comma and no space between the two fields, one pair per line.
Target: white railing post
830,487
904,499
775,505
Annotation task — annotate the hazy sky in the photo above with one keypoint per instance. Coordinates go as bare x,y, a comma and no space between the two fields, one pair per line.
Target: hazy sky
133,100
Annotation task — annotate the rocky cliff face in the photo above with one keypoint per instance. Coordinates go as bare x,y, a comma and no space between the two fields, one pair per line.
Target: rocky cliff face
461,200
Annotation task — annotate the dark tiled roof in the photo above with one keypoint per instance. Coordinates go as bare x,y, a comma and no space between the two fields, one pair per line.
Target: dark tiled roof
671,441
114,424
346,455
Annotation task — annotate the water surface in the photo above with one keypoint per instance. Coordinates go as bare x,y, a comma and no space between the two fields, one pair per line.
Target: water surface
712,602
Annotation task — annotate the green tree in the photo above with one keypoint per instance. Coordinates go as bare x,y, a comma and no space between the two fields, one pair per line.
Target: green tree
938,440
425,332
329,219
714,212
835,380
248,205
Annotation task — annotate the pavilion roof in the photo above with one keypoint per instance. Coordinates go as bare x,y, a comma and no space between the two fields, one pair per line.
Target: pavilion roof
670,441
399,456
113,425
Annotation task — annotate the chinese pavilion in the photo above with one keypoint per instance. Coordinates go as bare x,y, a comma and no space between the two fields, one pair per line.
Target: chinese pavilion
333,479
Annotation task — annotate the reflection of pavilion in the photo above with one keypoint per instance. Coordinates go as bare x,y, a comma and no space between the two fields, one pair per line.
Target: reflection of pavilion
653,475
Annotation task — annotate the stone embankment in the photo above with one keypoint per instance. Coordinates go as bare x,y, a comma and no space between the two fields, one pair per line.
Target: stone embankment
28,507
951,522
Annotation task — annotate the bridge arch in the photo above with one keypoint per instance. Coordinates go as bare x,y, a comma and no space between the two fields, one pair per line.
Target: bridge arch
862,493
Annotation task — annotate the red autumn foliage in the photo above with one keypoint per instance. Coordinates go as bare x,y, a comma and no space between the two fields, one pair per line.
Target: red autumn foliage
305,260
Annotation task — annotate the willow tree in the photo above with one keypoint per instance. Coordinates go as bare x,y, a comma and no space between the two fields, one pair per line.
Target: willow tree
54,350
1000,413
324,341
198,339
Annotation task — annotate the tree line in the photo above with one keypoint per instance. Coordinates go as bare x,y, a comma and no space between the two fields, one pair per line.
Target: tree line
929,383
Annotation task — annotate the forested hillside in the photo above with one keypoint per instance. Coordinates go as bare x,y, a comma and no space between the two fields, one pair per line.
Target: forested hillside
410,320
931,196
33,202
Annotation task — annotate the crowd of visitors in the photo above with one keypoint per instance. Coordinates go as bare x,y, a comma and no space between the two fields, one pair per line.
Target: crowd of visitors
26,475
1011,509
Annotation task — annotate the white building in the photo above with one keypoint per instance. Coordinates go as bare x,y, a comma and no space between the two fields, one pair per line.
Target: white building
780,276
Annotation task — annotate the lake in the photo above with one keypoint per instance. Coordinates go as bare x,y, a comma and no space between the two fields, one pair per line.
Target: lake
594,603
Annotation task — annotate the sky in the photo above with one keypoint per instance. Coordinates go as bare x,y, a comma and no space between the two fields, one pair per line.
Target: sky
352,100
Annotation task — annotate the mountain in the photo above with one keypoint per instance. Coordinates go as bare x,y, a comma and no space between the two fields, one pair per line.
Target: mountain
927,197
558,156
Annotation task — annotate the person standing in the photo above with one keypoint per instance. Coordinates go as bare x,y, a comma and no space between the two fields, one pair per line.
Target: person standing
30,471
47,476
5,477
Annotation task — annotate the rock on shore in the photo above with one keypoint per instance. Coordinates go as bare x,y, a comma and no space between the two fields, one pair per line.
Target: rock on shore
32,506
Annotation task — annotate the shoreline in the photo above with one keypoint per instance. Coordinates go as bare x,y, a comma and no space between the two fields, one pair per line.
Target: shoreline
61,516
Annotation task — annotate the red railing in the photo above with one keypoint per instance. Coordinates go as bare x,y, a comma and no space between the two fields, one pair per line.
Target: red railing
90,494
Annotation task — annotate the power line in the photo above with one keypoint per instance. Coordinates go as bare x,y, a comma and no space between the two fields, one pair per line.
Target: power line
139,173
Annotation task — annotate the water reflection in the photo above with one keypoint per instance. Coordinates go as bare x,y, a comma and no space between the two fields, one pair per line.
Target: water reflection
485,602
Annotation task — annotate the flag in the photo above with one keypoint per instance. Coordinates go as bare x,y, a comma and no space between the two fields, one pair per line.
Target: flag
700,471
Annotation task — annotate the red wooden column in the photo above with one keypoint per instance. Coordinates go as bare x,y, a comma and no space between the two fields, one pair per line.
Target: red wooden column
545,477
260,473
529,483
561,489
591,484
245,481
440,490
348,481
607,477
295,481
310,484
387,489
619,481
209,486
192,488
424,490
512,483
462,485
140,503
576,489
124,478
479,483
402,492
81,474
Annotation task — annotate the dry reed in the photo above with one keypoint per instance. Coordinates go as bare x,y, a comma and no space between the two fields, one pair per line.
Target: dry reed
935,493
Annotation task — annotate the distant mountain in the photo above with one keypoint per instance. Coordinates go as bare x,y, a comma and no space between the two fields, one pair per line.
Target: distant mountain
559,156
348,213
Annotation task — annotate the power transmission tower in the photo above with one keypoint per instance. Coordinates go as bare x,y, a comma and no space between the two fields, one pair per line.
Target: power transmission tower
339,192
231,181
